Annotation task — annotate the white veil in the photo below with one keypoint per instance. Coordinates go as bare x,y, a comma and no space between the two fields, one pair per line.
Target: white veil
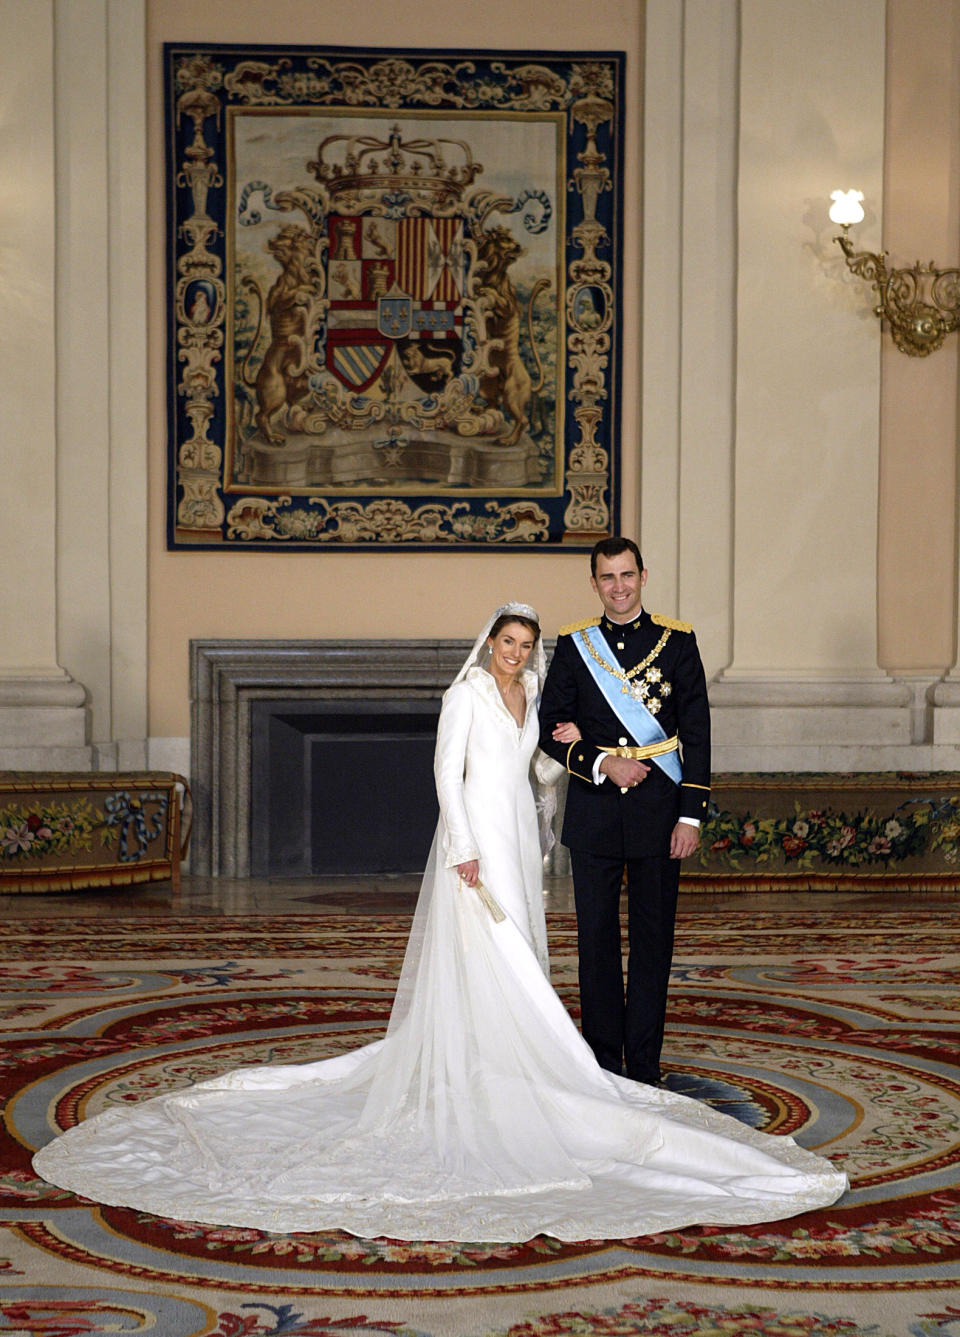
479,656
546,773
427,969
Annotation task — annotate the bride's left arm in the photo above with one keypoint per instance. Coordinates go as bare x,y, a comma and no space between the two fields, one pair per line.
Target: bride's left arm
546,769
449,759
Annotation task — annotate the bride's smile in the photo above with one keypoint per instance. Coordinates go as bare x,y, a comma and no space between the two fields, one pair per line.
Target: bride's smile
509,651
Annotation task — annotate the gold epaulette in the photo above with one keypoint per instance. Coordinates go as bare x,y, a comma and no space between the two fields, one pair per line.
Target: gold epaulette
571,627
673,623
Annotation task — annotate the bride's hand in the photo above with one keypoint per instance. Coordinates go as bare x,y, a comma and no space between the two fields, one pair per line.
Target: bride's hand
470,872
567,732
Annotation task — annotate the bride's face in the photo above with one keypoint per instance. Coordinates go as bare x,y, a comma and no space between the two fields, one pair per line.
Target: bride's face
510,649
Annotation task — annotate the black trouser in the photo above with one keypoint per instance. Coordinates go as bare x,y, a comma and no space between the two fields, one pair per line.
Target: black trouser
614,1026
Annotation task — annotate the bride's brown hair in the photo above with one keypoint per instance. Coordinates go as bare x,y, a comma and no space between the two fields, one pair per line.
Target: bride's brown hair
505,619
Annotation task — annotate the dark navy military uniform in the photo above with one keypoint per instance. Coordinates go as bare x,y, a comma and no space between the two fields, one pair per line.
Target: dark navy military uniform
608,829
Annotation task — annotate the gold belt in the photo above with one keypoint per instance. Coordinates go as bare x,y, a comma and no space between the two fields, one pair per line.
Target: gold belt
641,753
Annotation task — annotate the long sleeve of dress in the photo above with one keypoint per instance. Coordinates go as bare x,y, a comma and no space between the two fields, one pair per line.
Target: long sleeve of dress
546,770
453,730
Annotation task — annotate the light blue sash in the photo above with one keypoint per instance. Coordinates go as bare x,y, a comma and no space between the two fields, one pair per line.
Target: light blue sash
632,714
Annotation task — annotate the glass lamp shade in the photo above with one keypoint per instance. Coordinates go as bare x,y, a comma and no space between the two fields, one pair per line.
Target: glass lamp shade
846,208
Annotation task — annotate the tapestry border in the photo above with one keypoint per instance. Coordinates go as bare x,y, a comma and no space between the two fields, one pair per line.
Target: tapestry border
567,509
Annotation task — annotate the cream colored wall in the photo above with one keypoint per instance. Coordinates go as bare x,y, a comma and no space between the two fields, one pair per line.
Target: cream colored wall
805,509
366,594
795,491
768,489
917,559
689,293
27,351
769,452
72,384
102,368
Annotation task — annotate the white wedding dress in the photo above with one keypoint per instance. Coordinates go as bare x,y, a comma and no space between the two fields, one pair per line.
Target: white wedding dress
482,1115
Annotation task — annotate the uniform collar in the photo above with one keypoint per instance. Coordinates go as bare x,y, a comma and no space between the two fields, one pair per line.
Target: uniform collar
633,625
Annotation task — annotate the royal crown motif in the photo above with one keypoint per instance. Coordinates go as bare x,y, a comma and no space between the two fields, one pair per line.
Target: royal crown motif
363,169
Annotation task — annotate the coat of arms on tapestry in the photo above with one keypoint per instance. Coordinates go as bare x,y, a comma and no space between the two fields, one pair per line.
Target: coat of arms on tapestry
394,298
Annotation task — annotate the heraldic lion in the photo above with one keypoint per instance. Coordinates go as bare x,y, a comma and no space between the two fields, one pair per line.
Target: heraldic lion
282,380
509,386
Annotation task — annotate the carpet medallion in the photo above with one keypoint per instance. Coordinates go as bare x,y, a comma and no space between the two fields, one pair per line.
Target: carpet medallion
841,1032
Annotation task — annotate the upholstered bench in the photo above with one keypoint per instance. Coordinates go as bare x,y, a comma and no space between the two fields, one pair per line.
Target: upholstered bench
827,832
69,830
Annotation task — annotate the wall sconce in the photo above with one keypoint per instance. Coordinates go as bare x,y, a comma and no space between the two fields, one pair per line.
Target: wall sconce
921,304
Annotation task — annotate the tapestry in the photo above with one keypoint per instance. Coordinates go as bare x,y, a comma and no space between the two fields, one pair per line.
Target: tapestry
807,831
394,301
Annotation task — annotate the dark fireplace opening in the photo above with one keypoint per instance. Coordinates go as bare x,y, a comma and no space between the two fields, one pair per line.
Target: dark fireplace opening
341,786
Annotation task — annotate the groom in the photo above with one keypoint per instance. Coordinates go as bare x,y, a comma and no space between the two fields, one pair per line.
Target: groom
639,783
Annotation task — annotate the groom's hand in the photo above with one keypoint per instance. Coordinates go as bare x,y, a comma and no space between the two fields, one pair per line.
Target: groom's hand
624,771
684,840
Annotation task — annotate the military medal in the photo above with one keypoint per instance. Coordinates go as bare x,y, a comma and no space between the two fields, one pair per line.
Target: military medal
643,689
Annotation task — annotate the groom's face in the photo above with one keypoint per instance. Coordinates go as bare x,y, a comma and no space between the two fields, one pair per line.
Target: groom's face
619,585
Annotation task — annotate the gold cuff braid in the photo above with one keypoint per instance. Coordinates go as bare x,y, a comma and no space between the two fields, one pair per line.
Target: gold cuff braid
641,753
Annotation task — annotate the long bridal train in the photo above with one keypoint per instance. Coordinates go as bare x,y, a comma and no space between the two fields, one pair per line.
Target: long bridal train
482,1115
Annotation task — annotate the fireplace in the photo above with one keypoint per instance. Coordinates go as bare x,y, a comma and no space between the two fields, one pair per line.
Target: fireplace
322,700
341,786
235,683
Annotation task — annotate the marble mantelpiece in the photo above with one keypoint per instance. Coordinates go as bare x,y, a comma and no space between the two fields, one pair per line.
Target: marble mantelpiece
227,676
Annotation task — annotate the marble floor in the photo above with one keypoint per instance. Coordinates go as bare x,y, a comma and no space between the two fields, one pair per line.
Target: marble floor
387,895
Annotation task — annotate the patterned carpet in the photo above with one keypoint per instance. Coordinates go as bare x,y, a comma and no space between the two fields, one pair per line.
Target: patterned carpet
845,1034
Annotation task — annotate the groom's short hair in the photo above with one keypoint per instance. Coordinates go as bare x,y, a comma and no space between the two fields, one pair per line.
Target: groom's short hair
613,547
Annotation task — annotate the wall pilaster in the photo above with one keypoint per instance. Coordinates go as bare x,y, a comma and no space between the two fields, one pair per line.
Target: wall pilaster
42,709
802,689
73,384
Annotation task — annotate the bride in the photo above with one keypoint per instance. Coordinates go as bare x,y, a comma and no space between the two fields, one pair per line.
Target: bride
482,1115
